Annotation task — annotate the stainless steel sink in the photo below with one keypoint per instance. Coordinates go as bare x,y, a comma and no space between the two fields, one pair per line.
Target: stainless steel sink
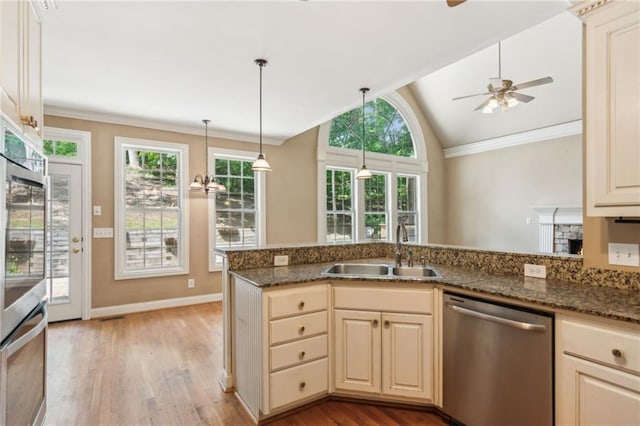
414,271
363,270
358,269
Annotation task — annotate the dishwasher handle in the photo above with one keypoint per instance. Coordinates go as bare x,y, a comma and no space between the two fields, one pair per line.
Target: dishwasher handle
511,323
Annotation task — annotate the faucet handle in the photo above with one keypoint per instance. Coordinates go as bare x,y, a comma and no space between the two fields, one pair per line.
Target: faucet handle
423,261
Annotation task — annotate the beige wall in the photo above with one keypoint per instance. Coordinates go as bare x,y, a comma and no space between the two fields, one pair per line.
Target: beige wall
490,194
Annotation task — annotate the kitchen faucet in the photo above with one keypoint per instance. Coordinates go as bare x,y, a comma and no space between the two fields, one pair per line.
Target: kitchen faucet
399,243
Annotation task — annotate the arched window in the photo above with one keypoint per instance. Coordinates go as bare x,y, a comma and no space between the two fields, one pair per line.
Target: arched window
386,130
352,210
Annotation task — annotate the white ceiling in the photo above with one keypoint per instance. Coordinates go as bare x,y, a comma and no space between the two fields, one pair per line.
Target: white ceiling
171,63
552,48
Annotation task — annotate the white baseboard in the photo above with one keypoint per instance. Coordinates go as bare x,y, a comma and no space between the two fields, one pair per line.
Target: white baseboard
131,308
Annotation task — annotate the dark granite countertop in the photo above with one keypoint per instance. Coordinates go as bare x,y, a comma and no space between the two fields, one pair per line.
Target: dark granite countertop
608,302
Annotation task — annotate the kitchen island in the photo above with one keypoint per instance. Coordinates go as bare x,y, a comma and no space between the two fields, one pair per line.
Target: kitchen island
287,324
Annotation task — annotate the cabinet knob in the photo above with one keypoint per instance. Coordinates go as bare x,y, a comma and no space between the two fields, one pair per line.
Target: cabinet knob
302,385
617,353
301,329
75,239
302,354
301,304
374,322
387,323
75,250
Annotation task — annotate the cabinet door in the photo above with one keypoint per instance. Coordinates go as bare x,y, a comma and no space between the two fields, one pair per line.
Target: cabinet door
612,111
591,394
357,350
407,355
10,43
31,105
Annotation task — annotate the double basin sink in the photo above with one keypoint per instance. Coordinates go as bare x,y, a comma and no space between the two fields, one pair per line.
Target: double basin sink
368,270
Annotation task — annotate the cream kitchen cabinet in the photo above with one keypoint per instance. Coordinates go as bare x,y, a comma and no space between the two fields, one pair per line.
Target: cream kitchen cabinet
281,345
383,345
20,67
612,107
597,373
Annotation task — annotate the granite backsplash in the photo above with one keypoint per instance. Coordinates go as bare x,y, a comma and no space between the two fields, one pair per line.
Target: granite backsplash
559,267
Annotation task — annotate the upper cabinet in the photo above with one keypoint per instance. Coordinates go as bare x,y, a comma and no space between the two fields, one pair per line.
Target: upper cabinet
612,108
20,67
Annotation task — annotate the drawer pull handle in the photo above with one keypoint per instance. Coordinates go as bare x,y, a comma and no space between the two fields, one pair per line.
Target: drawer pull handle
301,304
302,354
375,323
302,385
617,353
301,329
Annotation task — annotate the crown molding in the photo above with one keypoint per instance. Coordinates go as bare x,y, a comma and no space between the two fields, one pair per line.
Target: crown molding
156,125
531,136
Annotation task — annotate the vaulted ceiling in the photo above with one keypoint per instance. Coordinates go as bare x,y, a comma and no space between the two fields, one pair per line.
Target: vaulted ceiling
168,64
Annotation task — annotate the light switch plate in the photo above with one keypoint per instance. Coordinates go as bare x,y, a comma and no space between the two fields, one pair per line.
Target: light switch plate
535,271
102,232
282,260
97,210
624,254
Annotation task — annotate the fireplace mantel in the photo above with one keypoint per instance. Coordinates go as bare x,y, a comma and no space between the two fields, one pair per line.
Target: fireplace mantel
548,216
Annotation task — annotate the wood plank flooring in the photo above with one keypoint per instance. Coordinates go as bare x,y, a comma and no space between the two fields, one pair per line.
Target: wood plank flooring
161,368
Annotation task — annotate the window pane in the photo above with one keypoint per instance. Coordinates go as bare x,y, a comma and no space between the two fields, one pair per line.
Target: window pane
152,213
48,147
339,216
407,191
236,208
339,227
386,130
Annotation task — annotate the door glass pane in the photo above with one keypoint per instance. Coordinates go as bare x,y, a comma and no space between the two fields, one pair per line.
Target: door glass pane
58,237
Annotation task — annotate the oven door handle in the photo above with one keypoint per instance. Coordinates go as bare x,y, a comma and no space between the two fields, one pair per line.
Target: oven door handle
14,346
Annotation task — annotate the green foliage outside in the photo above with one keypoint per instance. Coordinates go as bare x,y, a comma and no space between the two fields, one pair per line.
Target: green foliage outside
60,148
386,132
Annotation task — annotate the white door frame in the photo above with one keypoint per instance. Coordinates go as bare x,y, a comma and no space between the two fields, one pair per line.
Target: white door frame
83,139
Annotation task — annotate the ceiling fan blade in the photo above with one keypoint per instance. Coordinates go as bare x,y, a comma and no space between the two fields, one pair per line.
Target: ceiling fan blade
522,97
532,83
470,96
454,3
484,104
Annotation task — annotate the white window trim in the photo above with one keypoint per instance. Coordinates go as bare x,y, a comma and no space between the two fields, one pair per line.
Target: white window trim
120,147
355,202
261,211
83,141
378,163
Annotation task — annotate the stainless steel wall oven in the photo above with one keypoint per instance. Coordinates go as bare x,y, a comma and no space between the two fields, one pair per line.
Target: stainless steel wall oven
23,314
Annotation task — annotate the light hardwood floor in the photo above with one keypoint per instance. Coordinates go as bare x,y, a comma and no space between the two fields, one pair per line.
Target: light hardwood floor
161,368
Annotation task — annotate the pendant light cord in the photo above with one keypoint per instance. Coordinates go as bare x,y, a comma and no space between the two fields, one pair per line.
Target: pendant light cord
261,66
499,61
206,145
364,91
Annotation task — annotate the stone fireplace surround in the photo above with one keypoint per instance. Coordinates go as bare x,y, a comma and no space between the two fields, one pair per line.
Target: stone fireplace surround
558,224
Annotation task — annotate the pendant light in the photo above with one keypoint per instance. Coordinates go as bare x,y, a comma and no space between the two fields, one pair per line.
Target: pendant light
363,173
261,165
206,183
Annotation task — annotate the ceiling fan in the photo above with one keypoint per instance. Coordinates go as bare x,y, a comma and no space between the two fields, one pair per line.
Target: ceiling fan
504,93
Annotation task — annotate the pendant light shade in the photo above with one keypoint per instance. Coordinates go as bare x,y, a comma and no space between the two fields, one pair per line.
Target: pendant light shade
261,164
363,173
206,183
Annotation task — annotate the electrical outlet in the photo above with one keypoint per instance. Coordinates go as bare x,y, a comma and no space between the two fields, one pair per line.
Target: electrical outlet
624,254
191,283
102,232
535,271
282,260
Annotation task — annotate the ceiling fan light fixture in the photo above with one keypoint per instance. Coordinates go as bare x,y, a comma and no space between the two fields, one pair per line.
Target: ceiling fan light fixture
511,102
487,110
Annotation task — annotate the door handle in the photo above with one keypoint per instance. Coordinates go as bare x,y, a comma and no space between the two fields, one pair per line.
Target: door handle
75,250
511,323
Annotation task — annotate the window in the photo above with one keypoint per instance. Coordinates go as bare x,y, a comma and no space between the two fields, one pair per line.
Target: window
339,205
370,210
237,214
55,148
375,207
151,212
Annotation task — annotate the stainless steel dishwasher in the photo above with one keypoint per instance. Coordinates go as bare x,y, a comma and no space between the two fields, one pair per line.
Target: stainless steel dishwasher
498,364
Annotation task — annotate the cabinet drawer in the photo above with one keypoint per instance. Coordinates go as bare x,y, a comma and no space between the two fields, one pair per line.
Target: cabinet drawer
297,383
601,343
298,327
384,299
283,303
295,353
